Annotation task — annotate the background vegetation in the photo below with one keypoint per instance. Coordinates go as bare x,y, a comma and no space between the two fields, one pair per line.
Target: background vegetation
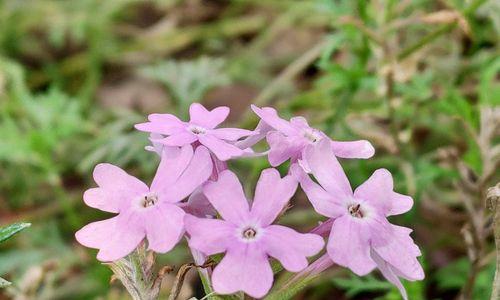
420,79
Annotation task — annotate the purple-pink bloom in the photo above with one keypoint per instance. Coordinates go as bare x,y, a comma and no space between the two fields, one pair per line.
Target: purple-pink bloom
200,128
289,139
152,212
247,235
361,238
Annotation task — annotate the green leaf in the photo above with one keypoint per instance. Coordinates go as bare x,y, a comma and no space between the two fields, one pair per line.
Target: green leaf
8,231
4,283
356,285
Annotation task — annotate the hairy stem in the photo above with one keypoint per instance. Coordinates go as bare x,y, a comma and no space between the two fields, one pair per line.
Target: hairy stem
493,200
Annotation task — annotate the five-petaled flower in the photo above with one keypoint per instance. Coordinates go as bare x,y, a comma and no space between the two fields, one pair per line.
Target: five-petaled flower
247,235
143,212
289,139
361,238
200,128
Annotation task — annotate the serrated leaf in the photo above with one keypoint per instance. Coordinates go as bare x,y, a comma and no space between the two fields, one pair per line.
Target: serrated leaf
8,231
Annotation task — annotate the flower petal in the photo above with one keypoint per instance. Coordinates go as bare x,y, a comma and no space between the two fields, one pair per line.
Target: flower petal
194,175
230,134
353,149
290,247
174,161
115,238
271,196
271,117
161,123
400,254
164,225
388,273
178,139
259,133
116,188
226,195
210,236
299,122
223,150
199,115
323,202
378,191
243,269
349,246
95,234
327,170
282,148
198,205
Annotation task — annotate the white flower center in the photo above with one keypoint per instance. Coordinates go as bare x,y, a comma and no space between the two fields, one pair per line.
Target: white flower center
149,200
356,211
311,135
249,233
197,129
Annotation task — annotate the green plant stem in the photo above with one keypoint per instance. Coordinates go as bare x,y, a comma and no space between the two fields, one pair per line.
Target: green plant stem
471,9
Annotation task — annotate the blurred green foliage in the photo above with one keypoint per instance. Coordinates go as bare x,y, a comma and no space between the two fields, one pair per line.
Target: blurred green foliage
410,76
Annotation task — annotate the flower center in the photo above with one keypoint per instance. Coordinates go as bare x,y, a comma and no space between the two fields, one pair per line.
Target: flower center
311,135
356,211
149,200
197,129
249,233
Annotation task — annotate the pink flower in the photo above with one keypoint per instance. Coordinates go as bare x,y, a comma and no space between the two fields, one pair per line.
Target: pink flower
200,128
289,139
361,238
247,236
143,212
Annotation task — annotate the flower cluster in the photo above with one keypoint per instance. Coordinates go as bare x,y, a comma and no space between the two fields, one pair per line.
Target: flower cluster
193,194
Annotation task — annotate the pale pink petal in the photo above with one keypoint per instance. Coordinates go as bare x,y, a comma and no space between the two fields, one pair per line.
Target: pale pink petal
115,238
290,247
271,196
197,172
282,148
323,229
164,225
327,170
210,236
388,273
403,234
109,176
399,204
230,134
323,202
246,270
354,149
271,117
170,119
160,127
155,147
259,133
378,191
117,188
102,199
400,254
174,161
223,150
198,205
349,245
181,138
199,115
299,122
226,195
96,234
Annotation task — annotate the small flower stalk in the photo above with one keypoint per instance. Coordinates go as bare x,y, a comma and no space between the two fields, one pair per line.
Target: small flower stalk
194,196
